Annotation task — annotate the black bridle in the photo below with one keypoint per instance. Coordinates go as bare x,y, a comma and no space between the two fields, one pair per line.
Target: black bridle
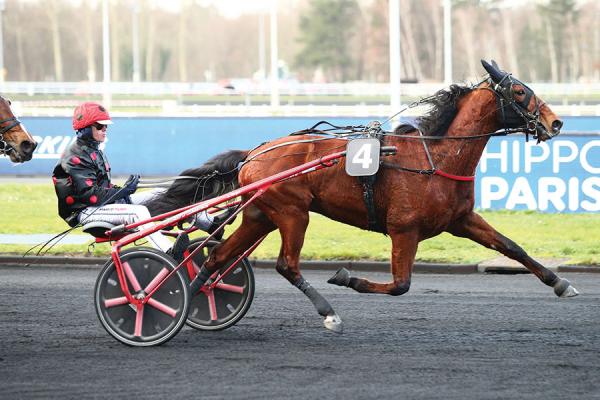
513,113
6,148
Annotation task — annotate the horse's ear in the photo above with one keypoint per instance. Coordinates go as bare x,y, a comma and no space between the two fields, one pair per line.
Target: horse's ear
493,70
495,65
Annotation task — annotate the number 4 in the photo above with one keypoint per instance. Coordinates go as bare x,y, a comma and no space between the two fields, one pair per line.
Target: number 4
363,156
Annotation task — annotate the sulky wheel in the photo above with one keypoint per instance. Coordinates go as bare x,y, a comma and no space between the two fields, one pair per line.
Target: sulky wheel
223,306
161,317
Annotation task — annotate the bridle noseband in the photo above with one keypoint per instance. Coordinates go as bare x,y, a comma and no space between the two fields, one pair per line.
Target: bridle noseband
6,148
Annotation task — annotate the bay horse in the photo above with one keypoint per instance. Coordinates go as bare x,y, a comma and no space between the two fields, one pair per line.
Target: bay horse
409,206
15,141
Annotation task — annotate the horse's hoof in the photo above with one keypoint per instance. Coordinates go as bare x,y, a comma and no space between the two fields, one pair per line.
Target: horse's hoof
341,277
563,288
334,323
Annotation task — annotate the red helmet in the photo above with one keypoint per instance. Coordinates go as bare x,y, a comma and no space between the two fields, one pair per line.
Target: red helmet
88,113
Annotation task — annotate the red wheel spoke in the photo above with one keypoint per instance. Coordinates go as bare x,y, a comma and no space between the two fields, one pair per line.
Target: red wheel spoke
212,305
157,279
230,288
162,307
139,319
131,276
117,301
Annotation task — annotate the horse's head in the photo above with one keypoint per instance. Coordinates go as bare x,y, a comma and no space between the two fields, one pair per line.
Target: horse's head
15,141
519,107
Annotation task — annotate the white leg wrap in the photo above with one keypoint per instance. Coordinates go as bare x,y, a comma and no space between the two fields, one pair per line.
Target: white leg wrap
334,323
563,288
203,220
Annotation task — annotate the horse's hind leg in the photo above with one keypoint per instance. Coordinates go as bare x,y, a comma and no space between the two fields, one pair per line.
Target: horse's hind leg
404,248
474,227
293,228
254,226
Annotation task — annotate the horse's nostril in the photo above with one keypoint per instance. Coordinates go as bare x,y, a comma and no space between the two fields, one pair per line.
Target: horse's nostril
556,125
28,147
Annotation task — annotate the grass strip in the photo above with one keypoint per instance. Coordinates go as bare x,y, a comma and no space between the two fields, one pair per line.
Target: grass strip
31,208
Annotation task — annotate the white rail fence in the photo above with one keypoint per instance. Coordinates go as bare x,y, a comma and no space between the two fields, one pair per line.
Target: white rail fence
354,98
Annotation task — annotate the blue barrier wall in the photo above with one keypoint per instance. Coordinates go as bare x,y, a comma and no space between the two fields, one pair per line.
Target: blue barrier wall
560,175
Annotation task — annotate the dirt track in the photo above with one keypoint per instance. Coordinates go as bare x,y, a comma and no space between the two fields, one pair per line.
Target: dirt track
451,337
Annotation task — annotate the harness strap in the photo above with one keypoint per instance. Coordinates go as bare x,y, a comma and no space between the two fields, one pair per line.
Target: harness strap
460,178
367,183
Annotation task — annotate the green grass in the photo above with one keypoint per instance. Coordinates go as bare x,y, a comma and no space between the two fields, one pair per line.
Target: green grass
31,208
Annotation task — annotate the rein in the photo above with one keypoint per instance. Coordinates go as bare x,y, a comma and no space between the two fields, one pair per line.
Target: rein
167,181
6,148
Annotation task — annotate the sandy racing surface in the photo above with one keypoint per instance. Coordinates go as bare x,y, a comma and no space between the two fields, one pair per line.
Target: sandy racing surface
451,337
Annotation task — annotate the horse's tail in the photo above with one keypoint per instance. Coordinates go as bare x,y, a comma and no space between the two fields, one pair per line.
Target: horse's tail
217,176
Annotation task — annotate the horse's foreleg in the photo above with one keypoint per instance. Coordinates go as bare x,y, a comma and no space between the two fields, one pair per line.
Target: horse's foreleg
404,248
293,229
474,227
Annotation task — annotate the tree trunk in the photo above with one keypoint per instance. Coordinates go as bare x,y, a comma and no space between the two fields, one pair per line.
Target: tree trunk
551,51
150,44
181,44
410,41
427,20
439,43
115,43
89,45
52,11
466,33
595,72
19,43
405,61
508,34
575,67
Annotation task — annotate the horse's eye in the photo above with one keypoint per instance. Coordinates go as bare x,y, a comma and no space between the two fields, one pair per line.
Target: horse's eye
520,92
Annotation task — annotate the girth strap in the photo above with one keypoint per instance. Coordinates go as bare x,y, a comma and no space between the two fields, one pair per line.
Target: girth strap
367,183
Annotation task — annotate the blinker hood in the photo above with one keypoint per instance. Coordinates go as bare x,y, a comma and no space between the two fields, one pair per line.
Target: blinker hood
494,71
512,113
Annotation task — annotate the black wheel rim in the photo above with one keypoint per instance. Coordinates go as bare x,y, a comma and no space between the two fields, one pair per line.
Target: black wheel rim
160,318
221,307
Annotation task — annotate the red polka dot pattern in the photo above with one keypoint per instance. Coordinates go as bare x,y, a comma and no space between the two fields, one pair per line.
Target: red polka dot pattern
70,200
93,200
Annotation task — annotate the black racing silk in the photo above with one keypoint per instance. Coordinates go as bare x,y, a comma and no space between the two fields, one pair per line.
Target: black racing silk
82,179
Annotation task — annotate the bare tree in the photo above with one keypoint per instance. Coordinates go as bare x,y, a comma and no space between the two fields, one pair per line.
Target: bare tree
89,43
509,44
15,19
115,42
466,36
150,40
411,45
53,17
181,42
554,40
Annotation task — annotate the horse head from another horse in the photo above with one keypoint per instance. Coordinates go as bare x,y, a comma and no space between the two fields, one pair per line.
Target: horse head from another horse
15,141
518,105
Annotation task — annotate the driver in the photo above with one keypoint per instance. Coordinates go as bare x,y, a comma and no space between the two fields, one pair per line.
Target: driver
83,185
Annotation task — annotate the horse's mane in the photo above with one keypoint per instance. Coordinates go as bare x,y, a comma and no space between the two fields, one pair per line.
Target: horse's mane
442,110
215,177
